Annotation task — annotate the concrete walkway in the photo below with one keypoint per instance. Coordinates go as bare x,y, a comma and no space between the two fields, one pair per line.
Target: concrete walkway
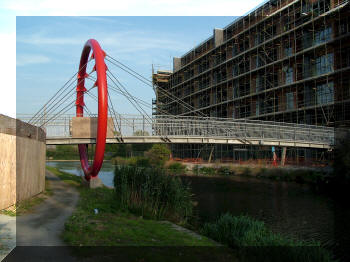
39,233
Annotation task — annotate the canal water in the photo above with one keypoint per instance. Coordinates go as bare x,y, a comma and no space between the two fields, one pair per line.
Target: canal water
286,207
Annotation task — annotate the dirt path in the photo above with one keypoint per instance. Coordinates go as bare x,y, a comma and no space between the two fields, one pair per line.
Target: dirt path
38,233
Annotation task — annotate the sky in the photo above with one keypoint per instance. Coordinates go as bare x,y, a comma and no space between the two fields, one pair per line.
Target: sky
41,48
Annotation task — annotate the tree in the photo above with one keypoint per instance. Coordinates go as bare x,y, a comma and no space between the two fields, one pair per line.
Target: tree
141,133
158,155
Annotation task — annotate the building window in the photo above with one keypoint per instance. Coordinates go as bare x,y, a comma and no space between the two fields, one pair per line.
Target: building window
258,38
235,70
258,61
324,64
257,106
325,93
288,51
290,100
288,74
309,96
323,36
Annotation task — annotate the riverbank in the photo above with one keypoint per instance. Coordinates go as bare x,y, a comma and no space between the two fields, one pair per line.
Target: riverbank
302,175
97,222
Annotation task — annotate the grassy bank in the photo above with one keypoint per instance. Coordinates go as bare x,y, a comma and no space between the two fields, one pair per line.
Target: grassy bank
254,240
300,175
26,206
112,226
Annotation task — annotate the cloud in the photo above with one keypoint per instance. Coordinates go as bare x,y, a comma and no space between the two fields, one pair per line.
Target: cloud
29,59
40,39
124,42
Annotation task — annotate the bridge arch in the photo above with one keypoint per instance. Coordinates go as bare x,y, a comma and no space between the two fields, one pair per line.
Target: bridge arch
99,55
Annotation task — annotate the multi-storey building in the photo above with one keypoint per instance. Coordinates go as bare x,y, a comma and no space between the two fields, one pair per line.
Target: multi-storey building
285,61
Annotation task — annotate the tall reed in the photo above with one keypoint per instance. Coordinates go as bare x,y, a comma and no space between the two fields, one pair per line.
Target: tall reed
254,240
152,193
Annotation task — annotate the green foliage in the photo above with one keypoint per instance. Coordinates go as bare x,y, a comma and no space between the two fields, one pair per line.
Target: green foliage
152,193
131,161
114,227
225,171
242,231
176,168
207,171
63,152
158,155
141,133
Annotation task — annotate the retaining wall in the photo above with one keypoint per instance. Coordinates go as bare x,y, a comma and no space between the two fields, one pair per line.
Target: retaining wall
22,161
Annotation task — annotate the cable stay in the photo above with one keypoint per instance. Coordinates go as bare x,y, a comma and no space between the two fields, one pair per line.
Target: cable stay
150,83
43,110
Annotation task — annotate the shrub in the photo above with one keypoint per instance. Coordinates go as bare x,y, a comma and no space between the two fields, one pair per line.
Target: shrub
195,170
158,155
243,231
207,171
224,170
152,193
131,161
176,168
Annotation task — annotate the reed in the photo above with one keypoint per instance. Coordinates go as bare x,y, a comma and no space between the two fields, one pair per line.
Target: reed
152,193
254,240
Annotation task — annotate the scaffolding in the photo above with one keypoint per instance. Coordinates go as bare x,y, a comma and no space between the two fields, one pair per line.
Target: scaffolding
286,61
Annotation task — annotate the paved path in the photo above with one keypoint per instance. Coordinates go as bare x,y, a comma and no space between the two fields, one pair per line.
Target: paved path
38,233
7,235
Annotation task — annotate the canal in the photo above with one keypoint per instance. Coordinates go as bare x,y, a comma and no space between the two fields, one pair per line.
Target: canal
286,207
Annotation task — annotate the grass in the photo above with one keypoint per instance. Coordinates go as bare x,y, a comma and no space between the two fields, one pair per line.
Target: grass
114,227
152,193
26,206
175,168
254,240
303,176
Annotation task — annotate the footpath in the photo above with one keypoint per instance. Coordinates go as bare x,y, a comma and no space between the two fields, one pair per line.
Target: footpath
37,234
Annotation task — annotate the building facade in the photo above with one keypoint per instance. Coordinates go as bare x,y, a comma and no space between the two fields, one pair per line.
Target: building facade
286,61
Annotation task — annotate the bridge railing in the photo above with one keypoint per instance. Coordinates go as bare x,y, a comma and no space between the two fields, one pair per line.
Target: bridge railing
131,125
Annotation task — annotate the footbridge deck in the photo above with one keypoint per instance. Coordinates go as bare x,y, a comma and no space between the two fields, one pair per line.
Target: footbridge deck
195,130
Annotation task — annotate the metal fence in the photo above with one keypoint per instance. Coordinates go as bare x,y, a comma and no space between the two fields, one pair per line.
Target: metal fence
138,125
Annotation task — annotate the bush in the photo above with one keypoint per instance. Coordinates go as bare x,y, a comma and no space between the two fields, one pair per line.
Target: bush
195,170
131,161
158,155
176,168
224,170
152,193
63,152
243,231
207,171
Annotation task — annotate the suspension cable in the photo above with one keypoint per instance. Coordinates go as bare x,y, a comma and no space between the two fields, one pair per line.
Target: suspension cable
55,95
145,80
129,97
59,113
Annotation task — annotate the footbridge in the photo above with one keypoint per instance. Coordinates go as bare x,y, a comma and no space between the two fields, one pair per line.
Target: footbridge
90,91
132,129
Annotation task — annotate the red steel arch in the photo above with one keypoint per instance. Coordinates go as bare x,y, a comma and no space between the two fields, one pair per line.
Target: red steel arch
98,54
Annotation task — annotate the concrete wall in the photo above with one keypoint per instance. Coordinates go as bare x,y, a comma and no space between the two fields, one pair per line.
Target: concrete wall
86,127
176,64
22,161
218,36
